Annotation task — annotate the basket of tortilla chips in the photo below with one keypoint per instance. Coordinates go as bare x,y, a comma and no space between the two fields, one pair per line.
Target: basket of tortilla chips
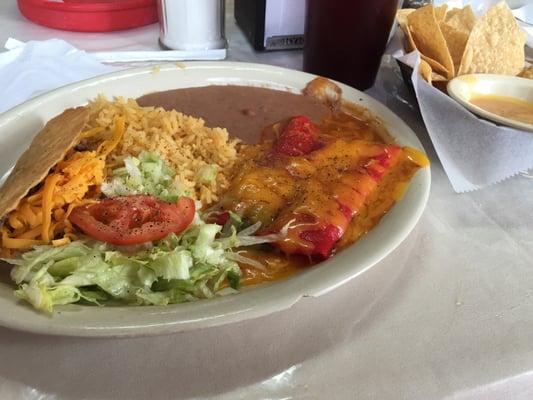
453,42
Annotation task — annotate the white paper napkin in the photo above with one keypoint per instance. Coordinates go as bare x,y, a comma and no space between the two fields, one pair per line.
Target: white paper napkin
35,67
27,70
474,153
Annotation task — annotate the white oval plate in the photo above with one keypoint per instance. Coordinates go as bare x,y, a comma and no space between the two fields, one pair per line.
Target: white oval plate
20,124
464,87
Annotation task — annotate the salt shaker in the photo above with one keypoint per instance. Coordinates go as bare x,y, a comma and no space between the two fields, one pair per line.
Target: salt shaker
192,24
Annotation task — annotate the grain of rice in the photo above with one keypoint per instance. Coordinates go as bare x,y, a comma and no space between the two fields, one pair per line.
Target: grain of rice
184,142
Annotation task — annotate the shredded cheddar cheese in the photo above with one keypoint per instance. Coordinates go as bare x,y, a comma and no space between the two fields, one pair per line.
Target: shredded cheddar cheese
92,132
17,243
48,197
32,233
42,217
109,145
61,242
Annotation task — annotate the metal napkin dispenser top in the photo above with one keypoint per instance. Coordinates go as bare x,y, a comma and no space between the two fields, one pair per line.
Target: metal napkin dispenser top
272,24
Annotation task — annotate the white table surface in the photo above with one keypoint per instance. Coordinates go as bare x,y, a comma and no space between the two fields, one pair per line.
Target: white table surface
448,315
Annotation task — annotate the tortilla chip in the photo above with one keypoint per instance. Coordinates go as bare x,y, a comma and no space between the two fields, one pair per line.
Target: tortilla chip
429,40
409,42
456,29
425,71
456,41
462,19
496,44
410,46
452,12
47,148
440,82
440,12
526,73
435,65
401,15
437,77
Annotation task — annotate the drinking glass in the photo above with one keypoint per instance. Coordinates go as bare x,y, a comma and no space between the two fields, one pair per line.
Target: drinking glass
345,39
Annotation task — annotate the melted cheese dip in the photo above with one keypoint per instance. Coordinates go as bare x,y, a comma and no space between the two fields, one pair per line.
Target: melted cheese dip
505,106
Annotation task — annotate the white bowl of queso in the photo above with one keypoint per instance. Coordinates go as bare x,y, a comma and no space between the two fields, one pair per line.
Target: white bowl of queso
506,100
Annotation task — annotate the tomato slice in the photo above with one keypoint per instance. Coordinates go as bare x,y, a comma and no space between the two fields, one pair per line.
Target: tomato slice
133,220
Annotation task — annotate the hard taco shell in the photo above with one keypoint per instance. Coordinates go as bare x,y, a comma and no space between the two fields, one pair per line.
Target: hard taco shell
48,148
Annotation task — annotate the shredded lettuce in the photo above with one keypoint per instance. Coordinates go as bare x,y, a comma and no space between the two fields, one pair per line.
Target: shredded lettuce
146,174
207,173
44,297
199,263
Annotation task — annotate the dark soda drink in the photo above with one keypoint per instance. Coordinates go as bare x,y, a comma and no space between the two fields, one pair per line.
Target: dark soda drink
345,39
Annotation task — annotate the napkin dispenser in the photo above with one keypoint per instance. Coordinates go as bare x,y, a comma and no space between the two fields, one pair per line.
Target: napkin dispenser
272,24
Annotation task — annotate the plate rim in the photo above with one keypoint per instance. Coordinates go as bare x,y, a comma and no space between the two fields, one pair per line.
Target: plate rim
290,288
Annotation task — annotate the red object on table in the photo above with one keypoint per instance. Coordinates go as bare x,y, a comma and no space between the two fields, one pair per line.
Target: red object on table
90,15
